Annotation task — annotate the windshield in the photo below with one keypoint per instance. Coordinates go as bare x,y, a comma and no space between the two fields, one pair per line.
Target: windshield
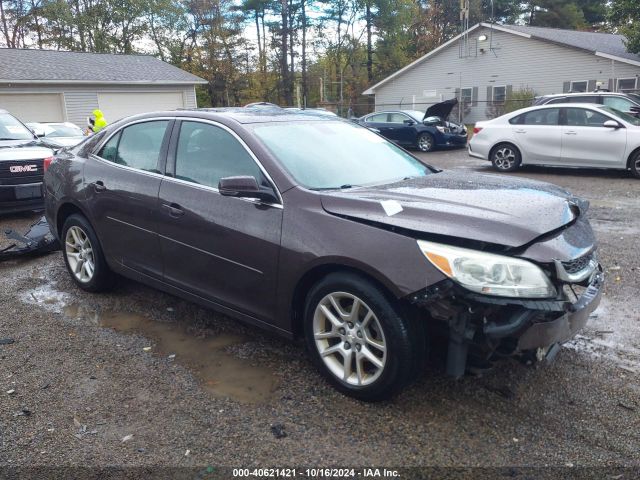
331,155
61,130
635,97
12,129
416,114
624,116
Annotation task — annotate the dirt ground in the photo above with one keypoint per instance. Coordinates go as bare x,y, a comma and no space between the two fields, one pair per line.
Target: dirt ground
140,378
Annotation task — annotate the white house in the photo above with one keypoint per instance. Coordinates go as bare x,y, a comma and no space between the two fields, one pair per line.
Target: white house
484,64
55,86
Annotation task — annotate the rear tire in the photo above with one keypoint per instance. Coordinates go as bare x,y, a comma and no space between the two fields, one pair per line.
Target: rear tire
505,157
369,352
426,142
83,255
634,164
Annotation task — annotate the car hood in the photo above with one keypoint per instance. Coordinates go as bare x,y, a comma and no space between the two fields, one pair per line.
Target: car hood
442,109
23,150
487,208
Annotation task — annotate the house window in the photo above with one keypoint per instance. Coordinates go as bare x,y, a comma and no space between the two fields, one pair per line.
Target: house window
580,86
466,96
499,94
627,84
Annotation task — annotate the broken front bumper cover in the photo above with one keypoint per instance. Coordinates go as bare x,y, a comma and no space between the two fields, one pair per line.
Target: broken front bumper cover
37,241
536,326
504,325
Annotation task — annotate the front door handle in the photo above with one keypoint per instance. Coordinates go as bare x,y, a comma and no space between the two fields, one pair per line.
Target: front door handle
99,186
571,132
173,209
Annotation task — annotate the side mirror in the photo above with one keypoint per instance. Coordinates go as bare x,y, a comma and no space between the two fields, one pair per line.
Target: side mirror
245,187
409,122
611,124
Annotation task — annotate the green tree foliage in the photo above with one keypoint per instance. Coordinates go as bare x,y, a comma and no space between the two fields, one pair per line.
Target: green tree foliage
293,52
625,15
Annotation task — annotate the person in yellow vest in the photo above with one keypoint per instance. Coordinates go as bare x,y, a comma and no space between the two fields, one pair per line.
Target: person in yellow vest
97,122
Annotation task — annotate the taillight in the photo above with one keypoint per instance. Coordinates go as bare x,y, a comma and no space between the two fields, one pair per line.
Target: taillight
477,130
46,162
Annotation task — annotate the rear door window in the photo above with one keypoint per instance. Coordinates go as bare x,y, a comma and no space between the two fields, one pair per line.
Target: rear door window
207,153
137,146
378,118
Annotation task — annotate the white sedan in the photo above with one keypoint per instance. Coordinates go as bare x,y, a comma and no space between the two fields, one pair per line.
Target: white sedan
567,135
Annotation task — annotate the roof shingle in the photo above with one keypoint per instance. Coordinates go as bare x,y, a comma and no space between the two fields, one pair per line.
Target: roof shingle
608,43
60,66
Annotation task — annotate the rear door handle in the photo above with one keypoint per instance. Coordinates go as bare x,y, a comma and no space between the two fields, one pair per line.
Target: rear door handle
173,209
520,131
99,186
571,132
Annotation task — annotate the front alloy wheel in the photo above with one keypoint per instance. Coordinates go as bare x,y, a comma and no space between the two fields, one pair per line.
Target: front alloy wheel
349,338
365,343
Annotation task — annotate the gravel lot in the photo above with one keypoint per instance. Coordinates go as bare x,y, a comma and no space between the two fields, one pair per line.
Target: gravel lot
81,387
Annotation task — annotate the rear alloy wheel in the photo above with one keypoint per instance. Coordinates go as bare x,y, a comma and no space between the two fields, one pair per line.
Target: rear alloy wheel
506,157
634,164
359,339
83,255
426,142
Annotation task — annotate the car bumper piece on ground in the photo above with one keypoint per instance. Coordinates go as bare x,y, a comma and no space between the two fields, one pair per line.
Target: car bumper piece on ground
37,240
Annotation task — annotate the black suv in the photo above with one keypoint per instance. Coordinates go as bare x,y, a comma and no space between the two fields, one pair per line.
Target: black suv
623,102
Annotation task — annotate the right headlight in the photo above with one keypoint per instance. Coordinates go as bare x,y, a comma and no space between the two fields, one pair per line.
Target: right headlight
488,273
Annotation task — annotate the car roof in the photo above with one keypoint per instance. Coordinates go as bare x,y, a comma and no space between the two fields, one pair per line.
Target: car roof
240,115
595,106
576,94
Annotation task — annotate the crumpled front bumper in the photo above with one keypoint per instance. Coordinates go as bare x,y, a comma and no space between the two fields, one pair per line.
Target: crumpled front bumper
564,328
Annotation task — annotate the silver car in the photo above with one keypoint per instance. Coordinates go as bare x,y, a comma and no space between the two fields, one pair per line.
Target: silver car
567,135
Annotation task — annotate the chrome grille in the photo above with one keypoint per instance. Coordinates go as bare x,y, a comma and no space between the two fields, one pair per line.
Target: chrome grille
578,264
11,173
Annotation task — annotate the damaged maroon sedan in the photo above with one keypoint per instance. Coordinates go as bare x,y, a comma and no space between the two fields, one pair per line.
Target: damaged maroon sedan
320,229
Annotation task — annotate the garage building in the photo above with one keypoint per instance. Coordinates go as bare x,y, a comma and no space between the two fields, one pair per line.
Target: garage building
55,86
484,65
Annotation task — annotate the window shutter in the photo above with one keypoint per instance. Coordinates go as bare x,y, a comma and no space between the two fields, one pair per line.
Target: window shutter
508,92
592,86
458,97
566,86
489,94
474,97
612,84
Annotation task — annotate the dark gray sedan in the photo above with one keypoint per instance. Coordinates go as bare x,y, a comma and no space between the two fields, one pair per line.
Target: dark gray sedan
318,228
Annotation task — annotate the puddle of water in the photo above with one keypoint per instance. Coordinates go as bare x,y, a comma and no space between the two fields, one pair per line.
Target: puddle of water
218,371
613,332
46,296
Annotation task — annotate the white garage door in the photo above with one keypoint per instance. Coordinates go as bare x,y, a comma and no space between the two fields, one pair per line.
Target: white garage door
34,107
118,105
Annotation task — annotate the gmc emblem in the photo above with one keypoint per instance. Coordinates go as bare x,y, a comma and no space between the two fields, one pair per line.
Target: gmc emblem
23,168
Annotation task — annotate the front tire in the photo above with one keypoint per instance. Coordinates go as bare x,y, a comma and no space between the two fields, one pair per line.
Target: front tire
426,142
83,255
634,165
506,157
359,339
